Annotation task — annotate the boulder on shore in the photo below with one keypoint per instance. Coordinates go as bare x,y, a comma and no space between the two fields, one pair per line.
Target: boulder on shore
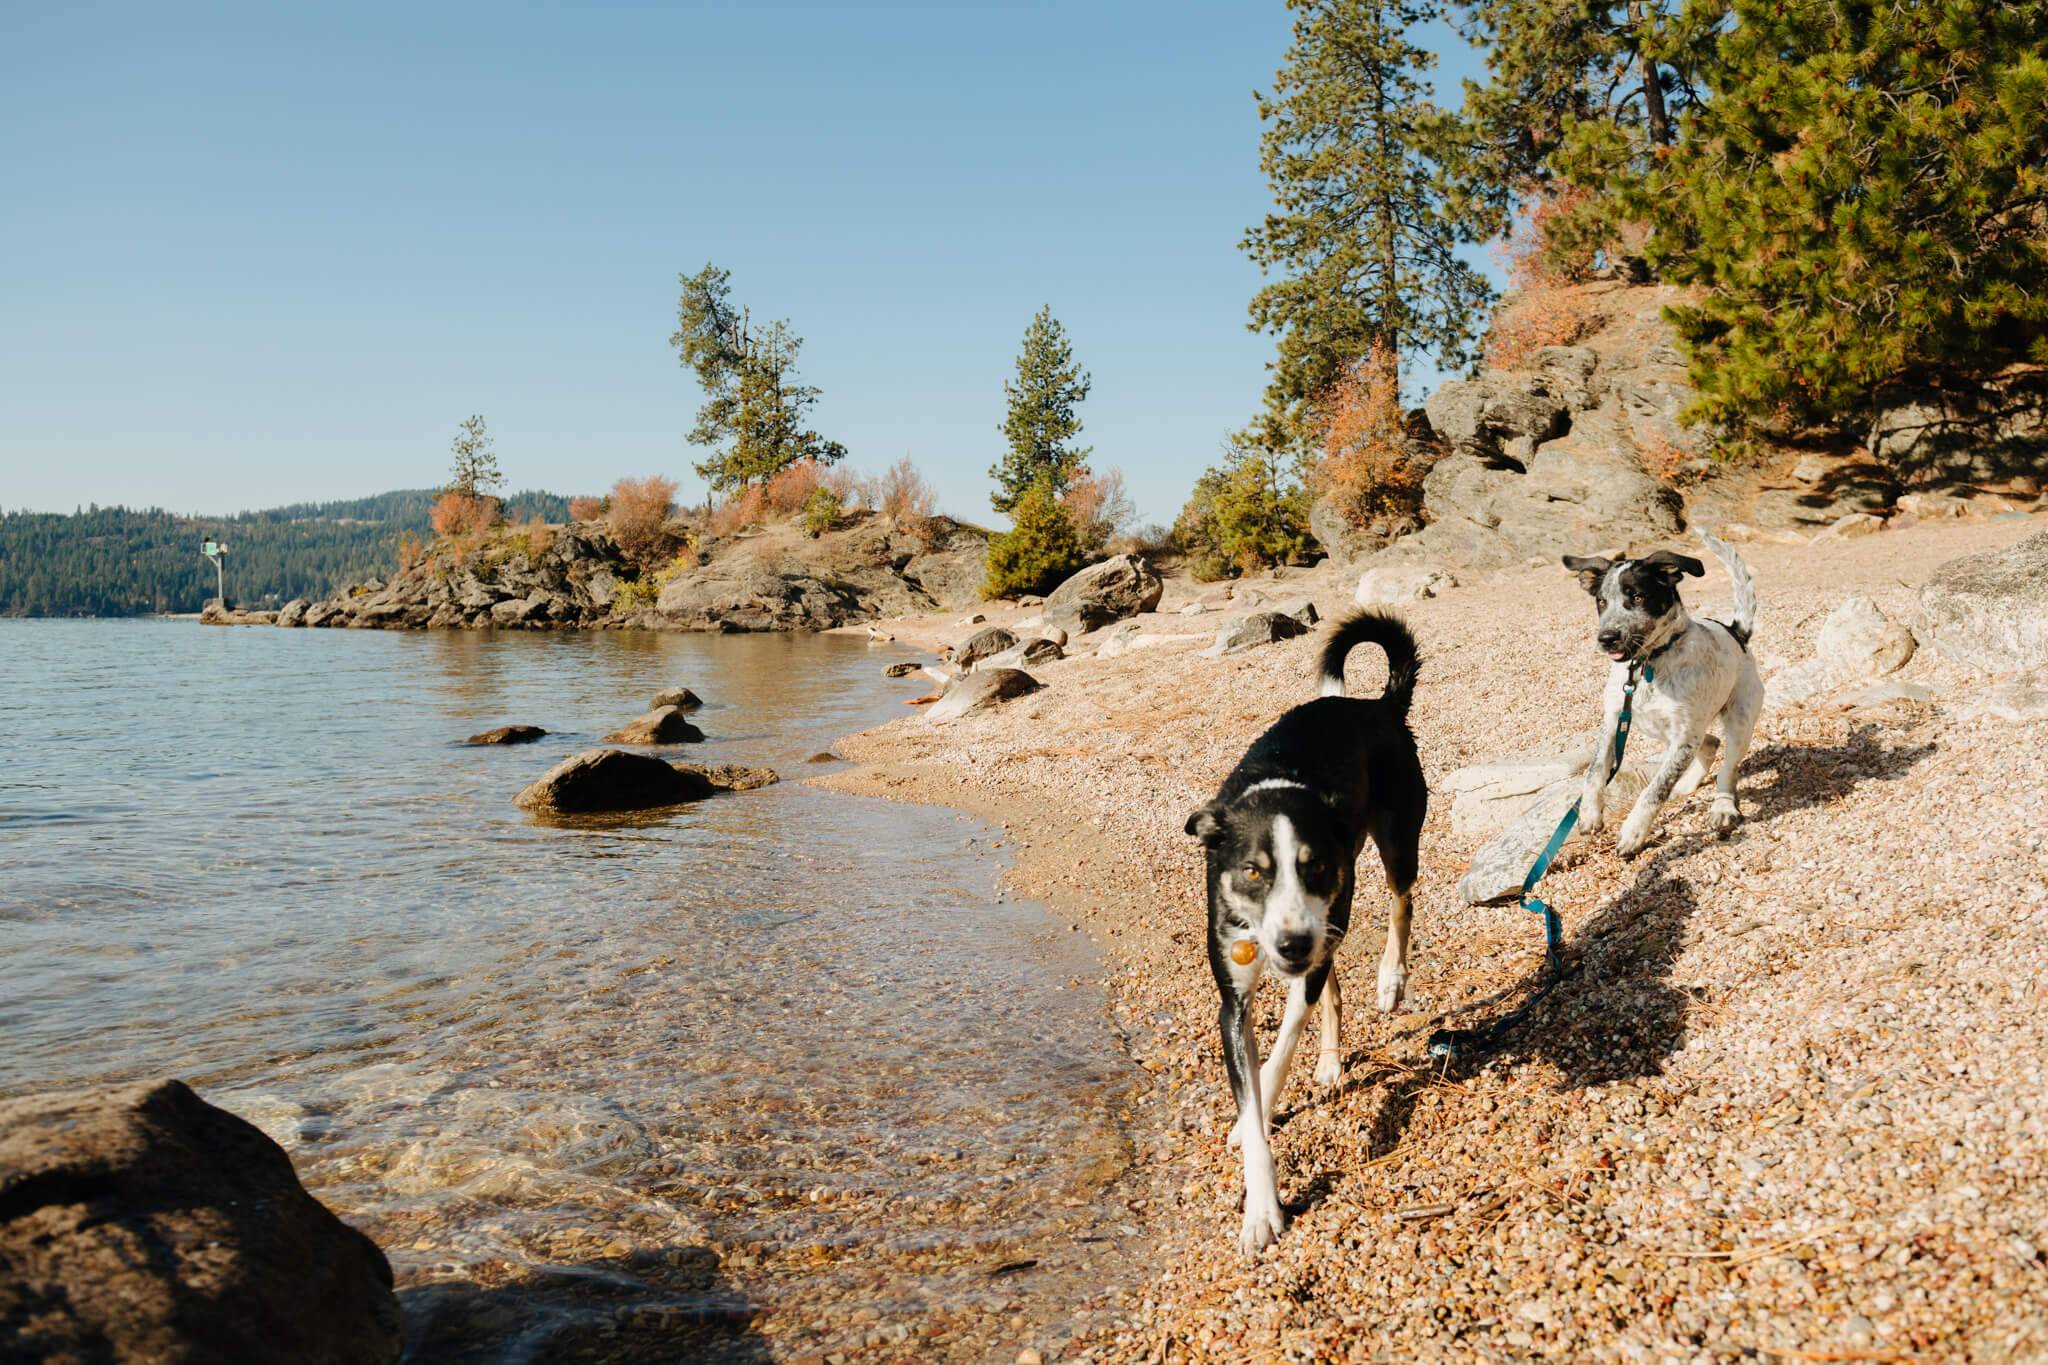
1259,628
982,644
980,692
142,1223
1029,654
1118,587
508,734
662,725
682,698
1990,610
611,780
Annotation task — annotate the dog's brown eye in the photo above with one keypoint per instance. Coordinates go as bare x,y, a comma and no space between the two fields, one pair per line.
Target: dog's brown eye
1252,873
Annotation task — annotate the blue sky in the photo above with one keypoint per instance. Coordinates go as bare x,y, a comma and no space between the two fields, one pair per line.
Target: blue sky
265,254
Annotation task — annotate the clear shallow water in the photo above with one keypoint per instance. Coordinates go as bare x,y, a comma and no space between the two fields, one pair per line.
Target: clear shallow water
711,1080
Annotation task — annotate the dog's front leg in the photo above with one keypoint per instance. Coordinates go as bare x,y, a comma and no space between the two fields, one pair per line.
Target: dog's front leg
1262,1217
1635,832
1593,797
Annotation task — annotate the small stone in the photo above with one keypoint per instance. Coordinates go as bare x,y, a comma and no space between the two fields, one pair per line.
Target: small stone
1029,1356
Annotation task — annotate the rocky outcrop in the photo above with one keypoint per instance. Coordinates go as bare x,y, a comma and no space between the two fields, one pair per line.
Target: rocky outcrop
1258,628
144,1224
1990,610
662,725
1983,434
612,780
508,734
767,578
980,691
1119,587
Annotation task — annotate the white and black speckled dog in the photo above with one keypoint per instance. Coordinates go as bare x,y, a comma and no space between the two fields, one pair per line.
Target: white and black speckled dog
1282,839
1704,675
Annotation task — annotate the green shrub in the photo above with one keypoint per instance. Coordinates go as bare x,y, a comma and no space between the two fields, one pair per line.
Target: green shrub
821,512
1042,547
1244,516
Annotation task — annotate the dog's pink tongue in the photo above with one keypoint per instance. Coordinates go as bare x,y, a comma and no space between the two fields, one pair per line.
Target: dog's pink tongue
1619,656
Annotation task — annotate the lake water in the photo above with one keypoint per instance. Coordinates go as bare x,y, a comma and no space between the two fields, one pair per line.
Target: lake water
776,1073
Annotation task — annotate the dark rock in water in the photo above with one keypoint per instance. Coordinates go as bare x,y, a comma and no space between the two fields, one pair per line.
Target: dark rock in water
508,734
980,691
902,670
1120,586
1259,628
682,698
730,777
612,779
981,644
827,756
144,1224
662,725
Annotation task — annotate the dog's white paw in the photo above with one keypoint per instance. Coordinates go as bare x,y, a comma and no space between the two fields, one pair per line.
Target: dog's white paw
1726,816
1329,1071
1634,834
1393,986
1263,1222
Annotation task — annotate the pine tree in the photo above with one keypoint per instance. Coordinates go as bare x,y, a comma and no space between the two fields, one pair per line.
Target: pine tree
1862,203
1579,92
1362,237
754,410
475,474
1042,423
1042,546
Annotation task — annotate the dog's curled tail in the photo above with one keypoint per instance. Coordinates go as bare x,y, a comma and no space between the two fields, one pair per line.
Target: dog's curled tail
1742,619
1372,628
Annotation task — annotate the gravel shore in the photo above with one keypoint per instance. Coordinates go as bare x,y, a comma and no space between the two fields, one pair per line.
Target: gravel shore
1787,1105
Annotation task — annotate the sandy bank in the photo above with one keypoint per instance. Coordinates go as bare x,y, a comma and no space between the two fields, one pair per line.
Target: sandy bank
1789,1101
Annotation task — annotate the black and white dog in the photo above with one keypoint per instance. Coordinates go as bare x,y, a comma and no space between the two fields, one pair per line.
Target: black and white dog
1282,838
1704,675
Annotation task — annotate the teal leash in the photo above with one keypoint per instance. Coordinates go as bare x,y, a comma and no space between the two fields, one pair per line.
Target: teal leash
1449,1043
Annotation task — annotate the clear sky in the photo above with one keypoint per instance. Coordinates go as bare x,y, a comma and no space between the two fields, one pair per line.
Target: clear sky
270,253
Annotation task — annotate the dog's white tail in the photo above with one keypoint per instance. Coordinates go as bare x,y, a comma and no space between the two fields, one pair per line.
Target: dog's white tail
1742,619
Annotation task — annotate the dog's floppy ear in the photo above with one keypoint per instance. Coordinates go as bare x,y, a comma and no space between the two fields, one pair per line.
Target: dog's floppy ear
1590,570
1672,565
1206,825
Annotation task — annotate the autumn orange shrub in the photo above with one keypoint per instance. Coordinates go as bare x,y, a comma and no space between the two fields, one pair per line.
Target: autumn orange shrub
586,509
638,517
411,550
903,492
1367,467
791,488
535,537
1099,506
456,515
735,514
1543,307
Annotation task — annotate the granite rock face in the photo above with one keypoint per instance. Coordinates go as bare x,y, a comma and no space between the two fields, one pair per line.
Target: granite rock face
1990,610
1119,587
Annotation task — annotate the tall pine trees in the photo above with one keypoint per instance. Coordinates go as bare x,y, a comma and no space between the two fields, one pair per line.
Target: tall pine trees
1361,240
1863,201
755,410
1042,420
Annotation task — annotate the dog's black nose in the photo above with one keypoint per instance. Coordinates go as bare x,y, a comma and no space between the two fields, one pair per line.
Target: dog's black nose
1609,639
1294,948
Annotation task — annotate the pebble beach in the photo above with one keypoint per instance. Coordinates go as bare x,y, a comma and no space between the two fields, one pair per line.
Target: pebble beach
1786,1104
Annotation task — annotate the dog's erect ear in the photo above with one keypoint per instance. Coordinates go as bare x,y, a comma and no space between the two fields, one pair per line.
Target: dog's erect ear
1589,569
1205,825
1671,565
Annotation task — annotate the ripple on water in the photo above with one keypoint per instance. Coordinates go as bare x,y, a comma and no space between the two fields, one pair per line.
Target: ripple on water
778,1064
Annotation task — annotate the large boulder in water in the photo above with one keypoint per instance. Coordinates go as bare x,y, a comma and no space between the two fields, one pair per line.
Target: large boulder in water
609,780
662,725
682,698
1990,610
508,734
144,1224
1120,586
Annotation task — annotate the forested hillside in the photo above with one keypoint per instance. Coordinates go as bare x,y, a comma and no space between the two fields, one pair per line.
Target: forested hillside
114,561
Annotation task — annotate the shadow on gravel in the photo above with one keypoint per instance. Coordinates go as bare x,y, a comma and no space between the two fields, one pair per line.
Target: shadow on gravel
650,1306
1616,1016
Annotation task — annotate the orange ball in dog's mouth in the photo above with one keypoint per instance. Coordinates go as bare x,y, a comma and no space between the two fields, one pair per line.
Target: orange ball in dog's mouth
1243,951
